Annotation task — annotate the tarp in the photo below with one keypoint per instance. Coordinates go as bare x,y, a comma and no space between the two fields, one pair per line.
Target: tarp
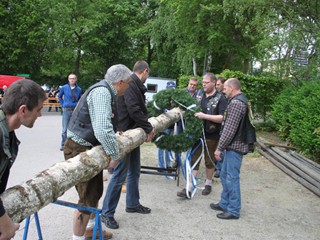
8,80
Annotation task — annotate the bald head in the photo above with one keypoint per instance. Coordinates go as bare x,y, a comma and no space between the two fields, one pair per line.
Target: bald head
234,82
232,87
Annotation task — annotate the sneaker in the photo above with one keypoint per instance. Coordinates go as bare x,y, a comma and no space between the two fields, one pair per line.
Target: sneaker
217,174
183,193
106,235
139,209
206,190
110,222
61,149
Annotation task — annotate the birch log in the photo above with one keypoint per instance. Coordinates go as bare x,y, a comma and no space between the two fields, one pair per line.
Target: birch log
20,201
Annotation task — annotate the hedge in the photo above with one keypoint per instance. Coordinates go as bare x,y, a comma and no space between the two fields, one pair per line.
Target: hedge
260,90
297,115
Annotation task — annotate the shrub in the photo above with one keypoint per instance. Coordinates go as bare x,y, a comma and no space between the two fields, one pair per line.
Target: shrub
260,90
183,81
297,115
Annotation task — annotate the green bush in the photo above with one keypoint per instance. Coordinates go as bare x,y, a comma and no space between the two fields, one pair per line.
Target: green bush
183,81
260,90
297,115
266,126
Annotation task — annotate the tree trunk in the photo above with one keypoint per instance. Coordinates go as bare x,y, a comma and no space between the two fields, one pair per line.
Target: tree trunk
150,53
194,66
20,201
245,66
208,63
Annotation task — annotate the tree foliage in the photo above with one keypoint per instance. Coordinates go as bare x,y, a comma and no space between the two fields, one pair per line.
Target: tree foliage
50,39
298,116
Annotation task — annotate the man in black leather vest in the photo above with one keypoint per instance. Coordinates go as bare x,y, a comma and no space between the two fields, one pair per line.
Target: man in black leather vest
213,105
234,143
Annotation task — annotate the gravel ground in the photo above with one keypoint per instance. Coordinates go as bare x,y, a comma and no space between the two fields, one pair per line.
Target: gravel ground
274,206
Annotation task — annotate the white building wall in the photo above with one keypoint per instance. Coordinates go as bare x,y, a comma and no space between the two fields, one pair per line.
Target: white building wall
155,85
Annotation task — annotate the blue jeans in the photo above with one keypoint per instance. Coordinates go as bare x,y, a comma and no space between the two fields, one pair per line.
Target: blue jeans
218,165
230,180
66,115
128,167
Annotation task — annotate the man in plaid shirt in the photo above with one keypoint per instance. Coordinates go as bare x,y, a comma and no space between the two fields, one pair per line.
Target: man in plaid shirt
231,148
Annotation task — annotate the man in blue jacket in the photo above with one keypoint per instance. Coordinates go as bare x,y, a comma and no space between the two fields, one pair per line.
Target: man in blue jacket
69,96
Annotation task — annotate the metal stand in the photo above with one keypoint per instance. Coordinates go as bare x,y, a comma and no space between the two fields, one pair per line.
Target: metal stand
26,228
173,172
97,222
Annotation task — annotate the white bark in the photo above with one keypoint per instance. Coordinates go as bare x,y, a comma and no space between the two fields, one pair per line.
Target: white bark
194,66
23,200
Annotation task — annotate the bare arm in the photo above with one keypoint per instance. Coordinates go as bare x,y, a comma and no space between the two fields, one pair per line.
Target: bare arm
209,117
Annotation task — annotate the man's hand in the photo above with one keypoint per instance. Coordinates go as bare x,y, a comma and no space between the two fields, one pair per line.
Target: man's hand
217,155
150,135
7,227
200,115
112,164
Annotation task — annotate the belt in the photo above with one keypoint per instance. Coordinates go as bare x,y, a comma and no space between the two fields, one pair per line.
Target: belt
69,108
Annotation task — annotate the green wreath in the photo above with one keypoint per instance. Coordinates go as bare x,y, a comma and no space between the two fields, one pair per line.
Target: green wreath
172,98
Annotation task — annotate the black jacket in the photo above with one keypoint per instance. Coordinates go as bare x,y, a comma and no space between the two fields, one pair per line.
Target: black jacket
131,107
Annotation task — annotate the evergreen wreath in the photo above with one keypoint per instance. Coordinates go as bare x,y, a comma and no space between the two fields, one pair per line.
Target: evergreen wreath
167,100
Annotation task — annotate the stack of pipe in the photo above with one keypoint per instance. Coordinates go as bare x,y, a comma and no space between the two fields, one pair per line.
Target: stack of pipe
301,169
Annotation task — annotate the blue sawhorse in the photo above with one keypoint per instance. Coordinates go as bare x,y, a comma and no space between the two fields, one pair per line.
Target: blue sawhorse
97,222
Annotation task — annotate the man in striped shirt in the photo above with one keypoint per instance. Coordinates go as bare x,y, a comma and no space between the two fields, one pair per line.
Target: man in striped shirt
93,123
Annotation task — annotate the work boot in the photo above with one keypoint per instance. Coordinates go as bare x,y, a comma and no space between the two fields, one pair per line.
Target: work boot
206,190
106,235
183,193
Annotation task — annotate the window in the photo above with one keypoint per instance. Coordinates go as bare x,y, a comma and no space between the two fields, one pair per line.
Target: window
152,88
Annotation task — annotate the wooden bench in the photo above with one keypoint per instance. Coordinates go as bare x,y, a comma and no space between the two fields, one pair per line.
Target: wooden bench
51,102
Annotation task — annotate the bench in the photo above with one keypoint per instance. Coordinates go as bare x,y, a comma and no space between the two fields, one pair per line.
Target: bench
51,102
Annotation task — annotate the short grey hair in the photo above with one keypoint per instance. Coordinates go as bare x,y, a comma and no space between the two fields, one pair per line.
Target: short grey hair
118,72
211,76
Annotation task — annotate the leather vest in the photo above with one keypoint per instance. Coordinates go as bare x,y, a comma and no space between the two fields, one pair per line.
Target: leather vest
80,122
246,132
209,106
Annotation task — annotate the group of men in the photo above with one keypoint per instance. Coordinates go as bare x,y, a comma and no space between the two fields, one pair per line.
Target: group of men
213,105
117,104
224,111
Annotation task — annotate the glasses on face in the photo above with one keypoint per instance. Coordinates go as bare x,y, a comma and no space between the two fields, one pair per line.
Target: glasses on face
127,81
204,82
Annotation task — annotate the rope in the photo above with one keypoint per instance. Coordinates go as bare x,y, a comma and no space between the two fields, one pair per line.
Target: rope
187,169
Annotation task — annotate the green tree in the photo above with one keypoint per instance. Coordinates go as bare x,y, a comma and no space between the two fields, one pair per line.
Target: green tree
23,36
